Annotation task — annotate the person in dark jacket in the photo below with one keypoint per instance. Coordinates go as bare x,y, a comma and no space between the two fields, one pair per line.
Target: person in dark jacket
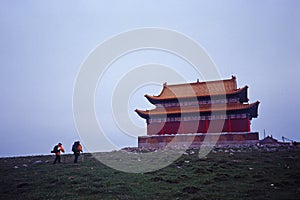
76,148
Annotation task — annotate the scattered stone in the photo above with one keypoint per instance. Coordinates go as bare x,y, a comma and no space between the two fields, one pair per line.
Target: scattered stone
16,167
187,161
25,165
250,168
218,148
38,162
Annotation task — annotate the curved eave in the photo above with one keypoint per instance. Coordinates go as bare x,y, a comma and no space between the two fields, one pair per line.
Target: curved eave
242,92
153,99
142,113
252,109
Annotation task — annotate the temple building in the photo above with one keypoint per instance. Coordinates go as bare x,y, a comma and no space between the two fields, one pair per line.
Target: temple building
196,110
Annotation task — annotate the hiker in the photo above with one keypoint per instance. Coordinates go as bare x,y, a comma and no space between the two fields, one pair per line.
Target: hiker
76,148
57,149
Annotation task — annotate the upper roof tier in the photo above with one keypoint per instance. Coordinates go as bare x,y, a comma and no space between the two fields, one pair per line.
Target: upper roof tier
197,89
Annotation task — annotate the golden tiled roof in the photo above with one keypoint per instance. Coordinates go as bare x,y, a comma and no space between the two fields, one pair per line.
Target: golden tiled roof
198,89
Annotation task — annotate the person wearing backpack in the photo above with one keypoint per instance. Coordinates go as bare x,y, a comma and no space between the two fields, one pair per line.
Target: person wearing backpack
76,148
57,149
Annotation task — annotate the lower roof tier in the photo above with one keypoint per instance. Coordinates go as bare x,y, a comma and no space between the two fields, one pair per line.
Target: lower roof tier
251,109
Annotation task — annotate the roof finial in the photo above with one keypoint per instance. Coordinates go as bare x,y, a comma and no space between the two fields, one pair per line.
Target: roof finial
197,80
165,83
233,77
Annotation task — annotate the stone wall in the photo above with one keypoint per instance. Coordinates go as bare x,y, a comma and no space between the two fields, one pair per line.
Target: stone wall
198,139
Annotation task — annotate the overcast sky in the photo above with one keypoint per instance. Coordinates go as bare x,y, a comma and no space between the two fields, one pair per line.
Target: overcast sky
44,43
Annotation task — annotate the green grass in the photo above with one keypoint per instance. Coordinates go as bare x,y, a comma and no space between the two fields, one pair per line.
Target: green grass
247,174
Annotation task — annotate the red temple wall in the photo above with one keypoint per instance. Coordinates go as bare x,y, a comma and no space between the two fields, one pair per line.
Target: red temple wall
192,126
237,125
155,128
202,126
226,126
172,127
216,126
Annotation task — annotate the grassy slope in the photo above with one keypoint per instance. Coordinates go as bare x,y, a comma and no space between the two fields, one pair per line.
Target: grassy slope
244,175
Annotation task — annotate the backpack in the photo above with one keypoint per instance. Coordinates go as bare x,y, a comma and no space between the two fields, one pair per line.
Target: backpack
55,149
75,147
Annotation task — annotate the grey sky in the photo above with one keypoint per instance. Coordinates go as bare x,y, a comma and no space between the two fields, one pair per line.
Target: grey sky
44,43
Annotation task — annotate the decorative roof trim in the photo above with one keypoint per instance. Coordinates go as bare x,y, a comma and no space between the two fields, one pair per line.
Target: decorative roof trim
200,89
156,99
253,107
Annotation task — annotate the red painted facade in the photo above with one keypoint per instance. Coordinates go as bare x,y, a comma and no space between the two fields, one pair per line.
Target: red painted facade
184,127
200,107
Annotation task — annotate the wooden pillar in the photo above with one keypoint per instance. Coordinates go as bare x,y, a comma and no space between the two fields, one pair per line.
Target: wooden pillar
206,125
248,122
182,129
147,130
229,124
147,124
163,129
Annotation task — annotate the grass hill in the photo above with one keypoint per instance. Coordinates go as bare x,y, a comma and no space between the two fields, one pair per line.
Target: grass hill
226,173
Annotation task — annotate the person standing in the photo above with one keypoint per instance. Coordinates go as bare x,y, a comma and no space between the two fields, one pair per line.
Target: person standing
76,148
57,149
